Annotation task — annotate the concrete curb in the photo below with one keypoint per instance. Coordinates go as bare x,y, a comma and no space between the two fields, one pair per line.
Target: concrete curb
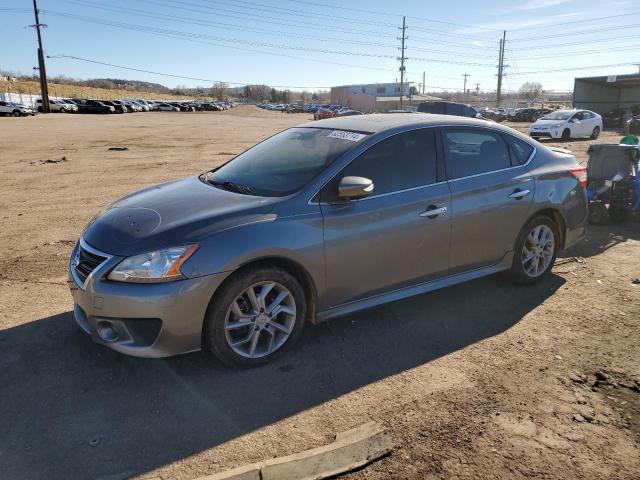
351,449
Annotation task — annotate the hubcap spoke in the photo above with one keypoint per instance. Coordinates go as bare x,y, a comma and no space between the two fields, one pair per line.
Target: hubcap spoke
277,301
238,324
263,294
280,327
254,342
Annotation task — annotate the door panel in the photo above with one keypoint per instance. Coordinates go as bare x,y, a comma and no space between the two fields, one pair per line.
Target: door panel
383,243
487,216
490,198
386,241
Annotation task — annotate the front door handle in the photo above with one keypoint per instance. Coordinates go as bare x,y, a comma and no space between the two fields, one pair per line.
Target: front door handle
433,212
519,194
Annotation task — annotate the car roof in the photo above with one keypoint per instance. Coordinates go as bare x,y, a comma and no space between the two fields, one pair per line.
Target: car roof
376,123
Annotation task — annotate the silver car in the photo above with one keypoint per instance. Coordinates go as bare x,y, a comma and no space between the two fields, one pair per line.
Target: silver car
318,221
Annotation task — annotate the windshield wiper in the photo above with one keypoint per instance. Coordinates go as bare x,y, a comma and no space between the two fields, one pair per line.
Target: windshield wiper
231,186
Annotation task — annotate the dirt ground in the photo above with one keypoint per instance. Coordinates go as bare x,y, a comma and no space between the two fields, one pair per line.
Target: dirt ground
480,380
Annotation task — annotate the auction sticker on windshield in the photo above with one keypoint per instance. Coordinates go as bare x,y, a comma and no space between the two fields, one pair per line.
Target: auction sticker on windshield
344,135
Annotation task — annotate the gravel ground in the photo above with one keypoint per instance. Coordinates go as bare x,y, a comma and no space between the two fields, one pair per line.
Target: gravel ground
480,380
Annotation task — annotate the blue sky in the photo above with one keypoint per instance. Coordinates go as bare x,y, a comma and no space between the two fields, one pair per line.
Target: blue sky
320,43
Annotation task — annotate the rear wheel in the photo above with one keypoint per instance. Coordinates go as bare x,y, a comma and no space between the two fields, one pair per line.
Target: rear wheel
16,113
596,133
254,317
535,251
566,134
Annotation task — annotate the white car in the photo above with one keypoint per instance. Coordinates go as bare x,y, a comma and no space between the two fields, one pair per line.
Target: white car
566,124
15,109
56,106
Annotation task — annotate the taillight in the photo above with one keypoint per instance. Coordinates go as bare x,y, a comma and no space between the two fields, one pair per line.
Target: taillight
580,173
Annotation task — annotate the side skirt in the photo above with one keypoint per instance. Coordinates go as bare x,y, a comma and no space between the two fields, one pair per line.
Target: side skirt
346,308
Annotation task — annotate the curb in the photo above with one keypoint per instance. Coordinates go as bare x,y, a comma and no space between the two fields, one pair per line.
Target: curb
351,449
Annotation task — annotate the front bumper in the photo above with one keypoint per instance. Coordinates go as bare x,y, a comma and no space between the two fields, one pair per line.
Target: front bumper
144,320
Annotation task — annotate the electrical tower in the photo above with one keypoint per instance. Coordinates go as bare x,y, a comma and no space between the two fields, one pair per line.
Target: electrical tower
44,90
402,58
503,40
464,89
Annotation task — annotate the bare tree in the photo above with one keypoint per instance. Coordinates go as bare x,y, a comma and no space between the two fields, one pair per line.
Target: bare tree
531,91
219,90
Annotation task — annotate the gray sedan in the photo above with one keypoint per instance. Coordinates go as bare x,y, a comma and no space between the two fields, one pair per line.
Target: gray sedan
318,221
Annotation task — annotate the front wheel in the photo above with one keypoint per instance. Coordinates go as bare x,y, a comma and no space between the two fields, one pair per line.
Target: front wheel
535,251
566,134
596,133
16,113
254,317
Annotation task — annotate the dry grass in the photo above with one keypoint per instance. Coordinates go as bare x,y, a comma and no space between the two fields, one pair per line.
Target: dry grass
77,91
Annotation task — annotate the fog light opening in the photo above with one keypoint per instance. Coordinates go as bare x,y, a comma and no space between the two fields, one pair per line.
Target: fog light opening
106,332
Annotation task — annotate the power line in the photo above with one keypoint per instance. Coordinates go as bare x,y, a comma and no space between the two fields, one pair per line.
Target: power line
194,21
172,75
574,32
579,68
551,25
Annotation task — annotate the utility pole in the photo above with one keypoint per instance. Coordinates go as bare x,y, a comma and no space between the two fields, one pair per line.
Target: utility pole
44,91
477,89
500,67
424,81
402,58
464,89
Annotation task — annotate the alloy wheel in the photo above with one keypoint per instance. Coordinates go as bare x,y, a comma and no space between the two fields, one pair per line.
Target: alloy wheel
260,320
538,250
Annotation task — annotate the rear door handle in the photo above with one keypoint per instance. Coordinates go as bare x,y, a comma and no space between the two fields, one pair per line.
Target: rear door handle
433,212
519,194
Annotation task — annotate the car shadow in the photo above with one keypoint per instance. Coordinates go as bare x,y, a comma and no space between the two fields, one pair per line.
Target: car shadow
73,409
603,237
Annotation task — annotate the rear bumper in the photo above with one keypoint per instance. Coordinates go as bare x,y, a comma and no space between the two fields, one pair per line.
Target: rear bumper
143,320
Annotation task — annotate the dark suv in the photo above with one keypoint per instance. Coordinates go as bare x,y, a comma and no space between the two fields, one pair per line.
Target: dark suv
449,108
92,106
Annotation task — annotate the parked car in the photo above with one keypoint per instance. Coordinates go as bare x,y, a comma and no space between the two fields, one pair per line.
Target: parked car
348,113
55,106
567,124
92,106
238,259
71,107
15,109
618,117
525,115
448,108
118,106
322,113
166,107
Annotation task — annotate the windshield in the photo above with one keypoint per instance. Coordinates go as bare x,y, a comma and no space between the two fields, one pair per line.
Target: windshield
559,115
284,163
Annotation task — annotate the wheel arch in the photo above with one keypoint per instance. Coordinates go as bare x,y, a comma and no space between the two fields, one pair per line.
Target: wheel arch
555,215
294,268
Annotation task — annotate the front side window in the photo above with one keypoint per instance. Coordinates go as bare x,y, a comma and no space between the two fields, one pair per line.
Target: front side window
284,163
470,152
397,163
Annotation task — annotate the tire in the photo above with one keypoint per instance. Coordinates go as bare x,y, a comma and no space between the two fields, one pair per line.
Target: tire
597,213
16,113
535,138
239,346
596,133
527,272
40,109
566,134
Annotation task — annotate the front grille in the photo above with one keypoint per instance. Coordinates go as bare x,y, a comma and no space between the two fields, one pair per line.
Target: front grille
86,262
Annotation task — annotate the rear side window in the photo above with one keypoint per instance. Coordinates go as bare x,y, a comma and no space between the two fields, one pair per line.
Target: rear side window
470,152
520,150
400,162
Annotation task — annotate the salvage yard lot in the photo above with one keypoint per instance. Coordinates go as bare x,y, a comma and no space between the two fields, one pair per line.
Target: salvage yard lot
481,380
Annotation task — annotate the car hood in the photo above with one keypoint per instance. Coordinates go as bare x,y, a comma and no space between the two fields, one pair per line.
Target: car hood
174,213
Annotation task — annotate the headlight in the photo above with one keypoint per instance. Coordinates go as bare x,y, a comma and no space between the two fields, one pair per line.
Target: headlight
557,125
153,267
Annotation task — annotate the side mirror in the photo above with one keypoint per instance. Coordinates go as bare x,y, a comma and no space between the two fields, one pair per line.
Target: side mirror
355,187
